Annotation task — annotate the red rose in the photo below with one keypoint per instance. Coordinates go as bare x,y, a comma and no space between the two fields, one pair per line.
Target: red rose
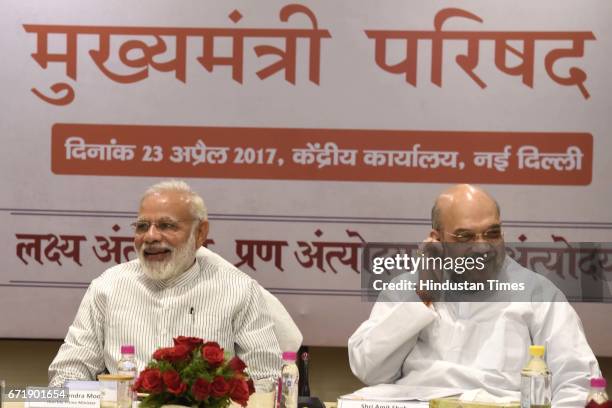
237,364
152,380
172,354
213,354
200,389
239,391
178,353
173,382
191,342
160,354
219,387
251,386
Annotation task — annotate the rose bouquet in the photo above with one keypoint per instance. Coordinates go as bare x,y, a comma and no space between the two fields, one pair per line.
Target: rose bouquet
196,374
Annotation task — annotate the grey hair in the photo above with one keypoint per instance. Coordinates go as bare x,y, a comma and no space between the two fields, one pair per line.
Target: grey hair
436,224
197,206
436,215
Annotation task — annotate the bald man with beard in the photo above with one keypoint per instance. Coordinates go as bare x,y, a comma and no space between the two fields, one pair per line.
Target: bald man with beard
431,342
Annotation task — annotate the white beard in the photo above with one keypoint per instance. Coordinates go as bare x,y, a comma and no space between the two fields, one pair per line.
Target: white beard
180,260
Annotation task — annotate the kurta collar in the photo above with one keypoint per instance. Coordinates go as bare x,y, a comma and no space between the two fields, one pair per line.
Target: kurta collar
184,278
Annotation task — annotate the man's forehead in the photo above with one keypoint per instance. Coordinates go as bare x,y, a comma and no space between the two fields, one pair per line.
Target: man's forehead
165,204
471,216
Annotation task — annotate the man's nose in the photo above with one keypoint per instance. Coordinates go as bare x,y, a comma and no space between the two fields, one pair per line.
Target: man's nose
481,246
152,234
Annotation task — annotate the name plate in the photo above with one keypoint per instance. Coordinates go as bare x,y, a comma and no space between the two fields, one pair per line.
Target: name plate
84,394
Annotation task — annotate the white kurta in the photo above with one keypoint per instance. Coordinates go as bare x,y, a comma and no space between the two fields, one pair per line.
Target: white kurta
212,300
475,345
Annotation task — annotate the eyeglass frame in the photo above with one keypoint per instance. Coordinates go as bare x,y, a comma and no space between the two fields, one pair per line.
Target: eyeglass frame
478,234
162,230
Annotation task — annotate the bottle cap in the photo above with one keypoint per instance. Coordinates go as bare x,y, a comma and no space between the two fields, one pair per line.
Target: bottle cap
537,351
598,382
289,355
127,349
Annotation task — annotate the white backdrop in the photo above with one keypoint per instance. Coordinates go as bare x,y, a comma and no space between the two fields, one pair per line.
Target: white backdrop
56,198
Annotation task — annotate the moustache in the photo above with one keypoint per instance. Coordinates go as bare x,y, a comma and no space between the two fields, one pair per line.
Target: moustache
156,249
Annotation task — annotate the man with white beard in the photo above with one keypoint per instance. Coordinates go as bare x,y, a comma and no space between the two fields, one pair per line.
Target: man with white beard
165,293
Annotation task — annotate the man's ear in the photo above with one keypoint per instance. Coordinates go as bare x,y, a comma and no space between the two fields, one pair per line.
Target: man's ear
435,235
202,234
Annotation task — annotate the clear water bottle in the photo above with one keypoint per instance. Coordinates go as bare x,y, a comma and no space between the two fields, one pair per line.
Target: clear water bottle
597,395
289,381
127,366
536,390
